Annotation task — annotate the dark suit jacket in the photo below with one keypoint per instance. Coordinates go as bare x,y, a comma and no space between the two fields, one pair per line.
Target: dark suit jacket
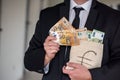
101,18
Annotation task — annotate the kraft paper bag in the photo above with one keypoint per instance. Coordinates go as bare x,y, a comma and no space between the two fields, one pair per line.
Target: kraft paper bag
88,54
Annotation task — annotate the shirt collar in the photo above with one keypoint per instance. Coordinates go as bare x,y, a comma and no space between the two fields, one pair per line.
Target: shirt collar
86,5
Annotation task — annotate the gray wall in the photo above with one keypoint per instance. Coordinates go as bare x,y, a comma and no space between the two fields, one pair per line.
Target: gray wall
12,39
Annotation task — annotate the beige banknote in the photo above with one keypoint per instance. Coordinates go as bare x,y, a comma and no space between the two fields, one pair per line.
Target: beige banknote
65,33
66,37
62,24
82,33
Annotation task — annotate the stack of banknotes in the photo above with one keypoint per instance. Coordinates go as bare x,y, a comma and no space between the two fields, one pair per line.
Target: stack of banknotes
67,35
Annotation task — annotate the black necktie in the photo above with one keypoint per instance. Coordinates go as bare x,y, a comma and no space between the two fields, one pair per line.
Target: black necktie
76,20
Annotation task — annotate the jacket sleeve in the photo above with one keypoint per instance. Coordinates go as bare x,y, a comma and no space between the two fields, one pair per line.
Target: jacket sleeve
34,56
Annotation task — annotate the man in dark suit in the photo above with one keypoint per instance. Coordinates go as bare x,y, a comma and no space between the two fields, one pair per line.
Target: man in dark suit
47,57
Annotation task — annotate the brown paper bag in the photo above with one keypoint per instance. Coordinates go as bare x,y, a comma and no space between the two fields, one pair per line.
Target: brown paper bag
88,54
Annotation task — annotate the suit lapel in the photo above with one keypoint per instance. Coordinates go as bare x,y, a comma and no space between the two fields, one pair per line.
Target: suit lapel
64,10
92,17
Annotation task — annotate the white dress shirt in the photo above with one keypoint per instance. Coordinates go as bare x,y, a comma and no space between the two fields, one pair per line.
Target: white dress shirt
83,14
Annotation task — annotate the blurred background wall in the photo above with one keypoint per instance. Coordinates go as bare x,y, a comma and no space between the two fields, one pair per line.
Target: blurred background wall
12,39
17,24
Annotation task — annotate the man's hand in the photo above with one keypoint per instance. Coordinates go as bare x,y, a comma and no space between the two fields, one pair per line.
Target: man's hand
78,72
51,49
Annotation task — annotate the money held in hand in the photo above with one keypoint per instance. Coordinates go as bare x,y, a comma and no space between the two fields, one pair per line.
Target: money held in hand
67,35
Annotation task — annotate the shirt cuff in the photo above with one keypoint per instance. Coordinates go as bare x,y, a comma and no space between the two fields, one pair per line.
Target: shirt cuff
46,68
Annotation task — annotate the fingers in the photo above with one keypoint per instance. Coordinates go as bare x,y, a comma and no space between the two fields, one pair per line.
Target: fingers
51,47
70,67
66,71
73,65
50,38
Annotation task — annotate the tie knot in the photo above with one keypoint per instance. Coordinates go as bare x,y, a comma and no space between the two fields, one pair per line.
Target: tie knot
77,10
